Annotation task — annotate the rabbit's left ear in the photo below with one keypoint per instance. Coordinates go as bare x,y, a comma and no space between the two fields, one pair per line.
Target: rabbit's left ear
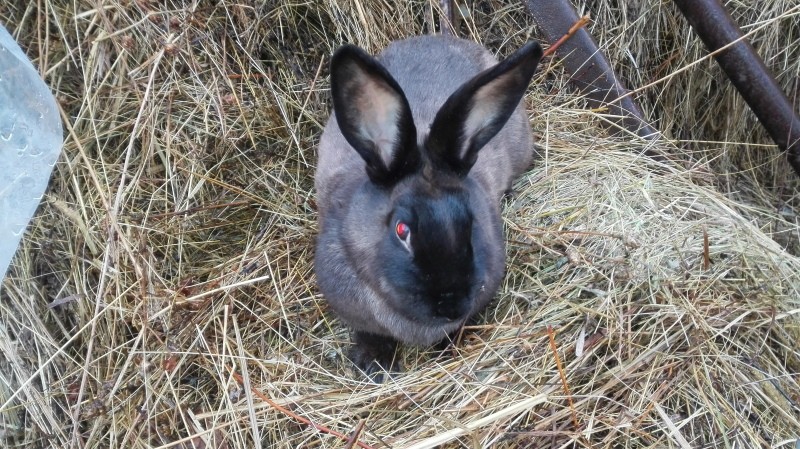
374,116
479,109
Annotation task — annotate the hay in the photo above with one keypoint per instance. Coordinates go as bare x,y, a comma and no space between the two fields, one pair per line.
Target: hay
163,295
695,105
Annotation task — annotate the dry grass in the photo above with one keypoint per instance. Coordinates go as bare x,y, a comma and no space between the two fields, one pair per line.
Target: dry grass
164,297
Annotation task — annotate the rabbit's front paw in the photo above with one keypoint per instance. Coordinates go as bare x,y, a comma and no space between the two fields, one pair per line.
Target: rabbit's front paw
374,355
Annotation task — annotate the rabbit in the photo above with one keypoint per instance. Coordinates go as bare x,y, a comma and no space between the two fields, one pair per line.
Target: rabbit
421,146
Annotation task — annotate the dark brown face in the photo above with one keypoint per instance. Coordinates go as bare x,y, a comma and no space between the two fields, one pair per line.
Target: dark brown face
435,266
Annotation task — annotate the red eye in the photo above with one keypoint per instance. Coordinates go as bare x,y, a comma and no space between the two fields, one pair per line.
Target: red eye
402,230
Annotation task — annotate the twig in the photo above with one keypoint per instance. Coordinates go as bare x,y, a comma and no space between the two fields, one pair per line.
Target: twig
582,22
356,433
563,376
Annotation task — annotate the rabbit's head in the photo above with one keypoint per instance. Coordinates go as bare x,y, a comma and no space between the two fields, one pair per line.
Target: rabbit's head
428,259
427,255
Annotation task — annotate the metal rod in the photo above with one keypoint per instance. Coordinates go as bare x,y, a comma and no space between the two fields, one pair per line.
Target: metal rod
747,72
591,72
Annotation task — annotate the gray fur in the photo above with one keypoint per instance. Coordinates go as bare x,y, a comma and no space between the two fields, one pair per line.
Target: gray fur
353,211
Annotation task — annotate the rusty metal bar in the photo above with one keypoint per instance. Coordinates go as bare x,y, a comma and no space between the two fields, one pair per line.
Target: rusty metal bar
591,72
747,72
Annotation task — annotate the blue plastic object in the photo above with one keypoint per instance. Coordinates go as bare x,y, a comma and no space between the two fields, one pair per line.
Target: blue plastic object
30,142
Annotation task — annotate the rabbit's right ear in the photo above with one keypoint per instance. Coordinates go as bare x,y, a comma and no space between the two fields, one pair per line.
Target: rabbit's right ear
479,109
373,115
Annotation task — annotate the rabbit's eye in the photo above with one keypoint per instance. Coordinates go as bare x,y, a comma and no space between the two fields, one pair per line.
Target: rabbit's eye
402,230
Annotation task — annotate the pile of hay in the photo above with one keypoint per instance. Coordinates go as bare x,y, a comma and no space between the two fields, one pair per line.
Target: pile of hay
164,296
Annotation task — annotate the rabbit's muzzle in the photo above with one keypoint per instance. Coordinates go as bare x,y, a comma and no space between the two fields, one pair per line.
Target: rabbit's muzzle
451,306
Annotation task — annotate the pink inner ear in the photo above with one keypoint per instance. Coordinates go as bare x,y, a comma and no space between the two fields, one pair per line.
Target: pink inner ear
379,108
487,102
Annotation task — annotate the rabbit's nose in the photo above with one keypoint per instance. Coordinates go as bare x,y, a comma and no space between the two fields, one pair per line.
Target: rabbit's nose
450,306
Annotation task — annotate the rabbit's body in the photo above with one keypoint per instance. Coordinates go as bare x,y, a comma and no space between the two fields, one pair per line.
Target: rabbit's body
411,246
